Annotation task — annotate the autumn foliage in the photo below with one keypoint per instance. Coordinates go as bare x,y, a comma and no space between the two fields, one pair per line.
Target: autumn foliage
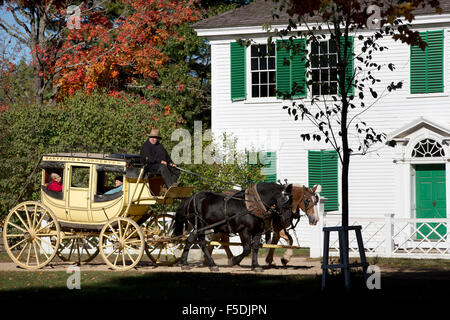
112,54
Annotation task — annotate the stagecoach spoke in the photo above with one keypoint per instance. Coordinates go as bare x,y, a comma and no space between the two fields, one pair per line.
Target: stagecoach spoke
33,225
46,226
21,220
35,252
17,227
113,231
28,217
129,256
131,234
29,254
40,247
21,251
18,243
123,258
48,243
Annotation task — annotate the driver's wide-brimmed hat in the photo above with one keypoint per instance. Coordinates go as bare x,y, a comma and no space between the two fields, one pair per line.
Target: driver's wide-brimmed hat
154,133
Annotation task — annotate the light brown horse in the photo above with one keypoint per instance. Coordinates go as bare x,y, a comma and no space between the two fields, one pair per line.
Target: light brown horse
304,199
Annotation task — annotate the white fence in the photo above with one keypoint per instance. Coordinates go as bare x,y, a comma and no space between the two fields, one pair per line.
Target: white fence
389,237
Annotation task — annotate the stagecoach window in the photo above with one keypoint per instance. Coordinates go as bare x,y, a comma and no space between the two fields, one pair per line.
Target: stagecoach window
80,177
428,148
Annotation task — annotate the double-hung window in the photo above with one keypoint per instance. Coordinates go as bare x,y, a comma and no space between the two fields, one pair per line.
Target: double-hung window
324,68
263,70
279,70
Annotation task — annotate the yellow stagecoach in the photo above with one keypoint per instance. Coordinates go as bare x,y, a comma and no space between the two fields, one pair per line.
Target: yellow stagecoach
82,220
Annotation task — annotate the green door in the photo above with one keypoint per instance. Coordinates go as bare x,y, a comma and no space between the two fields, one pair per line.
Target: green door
430,198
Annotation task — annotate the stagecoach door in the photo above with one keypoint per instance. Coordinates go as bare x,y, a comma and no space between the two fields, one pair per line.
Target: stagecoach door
79,195
431,198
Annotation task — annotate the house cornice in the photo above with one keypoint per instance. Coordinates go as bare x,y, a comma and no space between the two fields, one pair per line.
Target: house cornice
229,32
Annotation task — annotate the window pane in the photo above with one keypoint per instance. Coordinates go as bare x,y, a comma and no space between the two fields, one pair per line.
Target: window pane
264,91
263,50
272,77
332,47
255,91
332,60
254,63
272,90
264,77
254,51
272,63
333,74
314,48
80,177
271,50
255,77
323,47
314,61
315,89
324,74
262,63
323,61
315,75
333,88
324,88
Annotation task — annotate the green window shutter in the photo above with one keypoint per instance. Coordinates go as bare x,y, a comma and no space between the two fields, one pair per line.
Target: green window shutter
283,70
435,61
349,68
270,167
298,70
427,66
418,73
237,71
292,74
323,170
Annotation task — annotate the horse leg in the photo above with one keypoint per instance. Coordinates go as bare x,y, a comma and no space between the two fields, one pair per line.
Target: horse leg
213,237
269,258
209,260
255,247
288,253
226,239
189,241
245,240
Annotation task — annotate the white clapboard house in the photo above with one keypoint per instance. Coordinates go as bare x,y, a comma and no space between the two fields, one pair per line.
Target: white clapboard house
398,193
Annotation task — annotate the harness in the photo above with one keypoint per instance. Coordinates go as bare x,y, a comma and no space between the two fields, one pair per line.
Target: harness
254,205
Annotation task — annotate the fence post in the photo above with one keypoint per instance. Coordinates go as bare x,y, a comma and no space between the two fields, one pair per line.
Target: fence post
389,232
315,250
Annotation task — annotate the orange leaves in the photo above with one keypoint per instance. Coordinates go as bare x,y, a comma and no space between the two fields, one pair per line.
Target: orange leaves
106,54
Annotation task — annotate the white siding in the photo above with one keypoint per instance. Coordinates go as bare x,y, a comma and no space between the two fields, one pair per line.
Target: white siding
373,179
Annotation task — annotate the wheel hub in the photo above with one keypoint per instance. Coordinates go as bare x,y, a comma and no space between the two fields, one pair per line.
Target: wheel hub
118,245
29,236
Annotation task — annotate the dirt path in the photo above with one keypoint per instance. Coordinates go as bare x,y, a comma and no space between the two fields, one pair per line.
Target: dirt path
297,266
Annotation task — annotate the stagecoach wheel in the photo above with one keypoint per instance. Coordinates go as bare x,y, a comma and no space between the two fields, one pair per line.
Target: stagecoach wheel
79,249
31,235
121,243
161,248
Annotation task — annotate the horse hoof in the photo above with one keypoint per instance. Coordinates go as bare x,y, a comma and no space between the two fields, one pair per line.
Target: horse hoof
214,268
284,261
230,262
271,265
257,269
185,267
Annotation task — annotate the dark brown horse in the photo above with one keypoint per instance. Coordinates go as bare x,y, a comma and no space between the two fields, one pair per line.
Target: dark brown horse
224,214
304,199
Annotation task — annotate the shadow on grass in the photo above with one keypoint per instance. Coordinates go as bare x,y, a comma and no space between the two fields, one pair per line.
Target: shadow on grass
174,291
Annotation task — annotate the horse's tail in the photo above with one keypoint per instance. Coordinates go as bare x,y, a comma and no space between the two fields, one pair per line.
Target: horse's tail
181,217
